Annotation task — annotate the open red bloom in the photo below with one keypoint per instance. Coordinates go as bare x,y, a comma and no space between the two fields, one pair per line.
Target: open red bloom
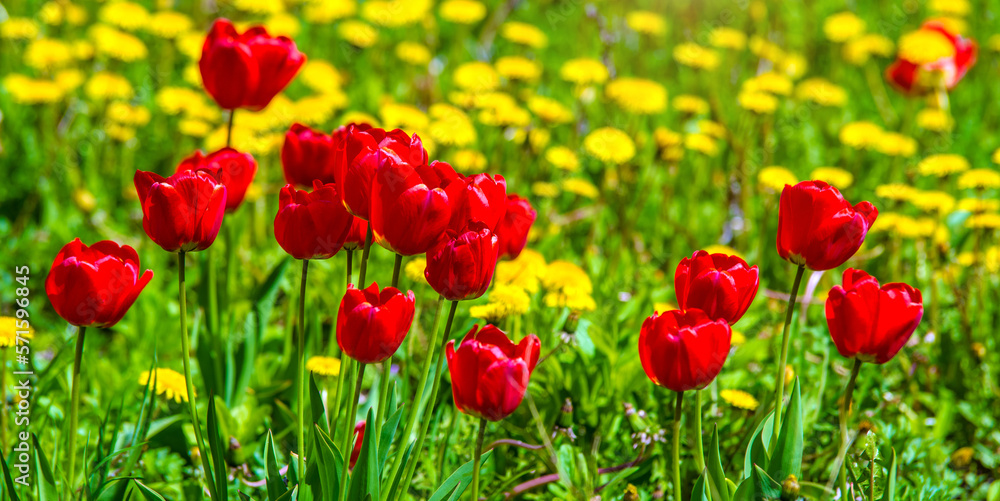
307,155
869,322
311,225
359,432
683,350
183,212
371,324
246,70
94,286
918,78
480,197
489,373
461,266
409,212
359,156
515,225
818,228
722,286
233,169
358,234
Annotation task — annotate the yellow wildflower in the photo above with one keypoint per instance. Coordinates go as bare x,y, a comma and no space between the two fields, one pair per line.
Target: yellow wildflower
833,175
584,71
727,38
505,300
518,68
637,95
125,15
323,366
69,79
413,53
106,85
55,13
18,28
901,192
544,189
896,144
128,114
696,56
414,269
462,11
925,46
609,145
168,383
757,102
525,271
978,205
117,44
714,129
774,178
562,158
358,33
702,143
989,221
524,34
843,26
943,164
859,50
933,201
860,135
580,187
47,53
259,6
822,92
9,331
476,76
328,11
934,119
979,179
168,24
450,125
468,161
646,22
687,103
550,110
740,399
404,116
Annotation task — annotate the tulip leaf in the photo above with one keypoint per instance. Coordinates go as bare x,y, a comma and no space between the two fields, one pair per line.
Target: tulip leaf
454,486
146,492
44,479
764,485
786,456
215,446
698,493
745,491
399,473
889,492
365,477
330,463
716,475
757,448
275,485
316,406
388,433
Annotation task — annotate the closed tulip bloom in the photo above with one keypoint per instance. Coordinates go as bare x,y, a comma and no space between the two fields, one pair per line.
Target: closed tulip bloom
357,235
683,350
461,266
489,373
409,214
722,286
871,323
311,225
480,197
359,156
514,227
818,228
246,70
307,155
183,212
233,169
359,432
94,286
921,77
372,324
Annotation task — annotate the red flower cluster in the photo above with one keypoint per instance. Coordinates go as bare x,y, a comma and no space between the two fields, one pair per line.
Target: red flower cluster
720,285
371,324
869,322
183,212
312,225
489,373
683,349
818,228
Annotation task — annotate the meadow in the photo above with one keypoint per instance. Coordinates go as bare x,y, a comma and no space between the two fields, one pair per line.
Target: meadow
478,249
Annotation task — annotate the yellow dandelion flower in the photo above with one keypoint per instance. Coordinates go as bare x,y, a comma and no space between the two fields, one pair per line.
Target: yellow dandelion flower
550,110
55,13
358,33
328,11
833,175
190,44
48,53
792,64
414,269
822,92
175,100
771,83
996,156
283,24
128,114
739,399
978,205
505,115
723,249
168,383
106,85
925,46
761,47
168,24
563,158
646,22
468,161
259,6
897,145
519,68
318,109
125,15
544,189
714,129
727,38
894,191
476,76
505,300
450,125
584,71
462,11
524,34
9,331
580,187
403,116
413,53
358,117
687,103
888,222
859,50
696,56
702,143
953,24
119,132
843,26
117,44
933,201
958,8
637,95
990,221
525,271
609,145
860,135
395,13
18,28
934,119
663,306
942,165
573,299
323,366
774,178
979,179
321,76
994,43
69,79
738,338
758,102
194,127
539,139
961,458
666,138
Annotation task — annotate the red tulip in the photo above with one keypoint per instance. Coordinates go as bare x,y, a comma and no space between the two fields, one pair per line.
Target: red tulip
359,432
477,198
233,169
94,286
183,212
869,322
461,266
311,225
683,350
915,78
408,212
359,156
307,156
720,285
489,373
246,70
817,228
514,227
358,234
371,324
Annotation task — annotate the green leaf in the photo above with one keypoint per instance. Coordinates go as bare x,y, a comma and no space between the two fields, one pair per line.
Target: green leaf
316,406
45,481
786,456
765,485
147,493
218,458
698,493
399,473
757,448
388,433
716,476
330,462
456,483
8,481
812,490
275,484
365,477
889,493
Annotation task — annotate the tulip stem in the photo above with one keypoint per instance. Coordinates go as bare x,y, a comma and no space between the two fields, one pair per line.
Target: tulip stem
383,396
845,410
395,270
348,426
699,447
74,408
364,258
229,128
397,462
678,409
475,463
779,392
412,466
350,266
186,359
300,372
